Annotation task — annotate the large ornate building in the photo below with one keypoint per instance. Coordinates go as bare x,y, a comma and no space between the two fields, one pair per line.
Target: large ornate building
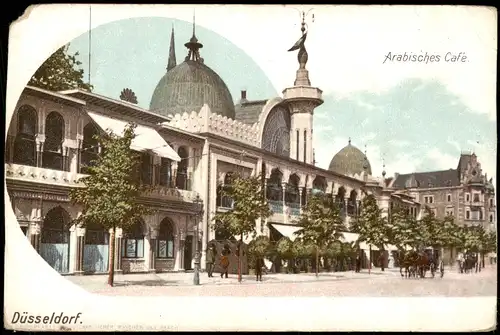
192,139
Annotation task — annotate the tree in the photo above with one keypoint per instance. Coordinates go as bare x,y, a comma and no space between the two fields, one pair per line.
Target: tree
449,235
432,231
490,242
60,72
111,192
304,250
258,248
370,226
321,224
249,205
287,251
403,229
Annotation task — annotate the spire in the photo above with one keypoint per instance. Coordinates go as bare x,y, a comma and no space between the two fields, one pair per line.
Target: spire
365,161
172,62
302,76
193,45
383,168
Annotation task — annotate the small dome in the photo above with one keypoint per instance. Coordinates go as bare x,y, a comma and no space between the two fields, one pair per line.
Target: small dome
187,87
350,161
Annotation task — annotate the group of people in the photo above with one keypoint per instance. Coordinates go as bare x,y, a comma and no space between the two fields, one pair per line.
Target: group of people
224,262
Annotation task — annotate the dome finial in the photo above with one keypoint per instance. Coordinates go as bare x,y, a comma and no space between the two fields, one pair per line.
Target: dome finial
349,140
383,168
193,45
365,161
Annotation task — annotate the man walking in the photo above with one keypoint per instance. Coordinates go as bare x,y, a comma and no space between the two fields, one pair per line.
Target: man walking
259,264
210,260
224,264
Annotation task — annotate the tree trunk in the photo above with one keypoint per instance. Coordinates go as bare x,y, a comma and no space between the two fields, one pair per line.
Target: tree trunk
370,260
239,259
317,260
111,274
382,263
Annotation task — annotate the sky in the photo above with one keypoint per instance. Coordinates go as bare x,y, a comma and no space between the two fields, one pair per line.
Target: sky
412,116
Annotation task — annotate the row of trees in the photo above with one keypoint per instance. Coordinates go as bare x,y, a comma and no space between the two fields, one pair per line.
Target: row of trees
321,226
112,192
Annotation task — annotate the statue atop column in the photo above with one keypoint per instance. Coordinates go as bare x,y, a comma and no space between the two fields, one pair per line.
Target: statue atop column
302,78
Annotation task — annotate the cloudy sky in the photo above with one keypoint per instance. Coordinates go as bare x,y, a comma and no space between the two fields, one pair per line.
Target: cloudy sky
415,116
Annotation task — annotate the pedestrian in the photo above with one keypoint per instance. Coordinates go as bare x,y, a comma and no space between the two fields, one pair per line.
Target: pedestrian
211,252
259,264
224,264
358,263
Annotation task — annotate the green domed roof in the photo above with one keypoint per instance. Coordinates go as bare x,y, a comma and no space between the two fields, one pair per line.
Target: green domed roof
191,84
349,161
187,87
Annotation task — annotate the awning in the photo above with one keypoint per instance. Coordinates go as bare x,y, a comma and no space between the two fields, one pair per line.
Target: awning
146,138
287,231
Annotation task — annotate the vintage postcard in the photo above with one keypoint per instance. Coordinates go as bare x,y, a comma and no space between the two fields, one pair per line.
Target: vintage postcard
237,167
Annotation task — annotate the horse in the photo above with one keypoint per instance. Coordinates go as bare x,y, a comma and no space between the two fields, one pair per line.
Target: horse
416,264
469,263
407,261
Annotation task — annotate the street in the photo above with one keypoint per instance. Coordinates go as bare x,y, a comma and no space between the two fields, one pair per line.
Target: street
340,284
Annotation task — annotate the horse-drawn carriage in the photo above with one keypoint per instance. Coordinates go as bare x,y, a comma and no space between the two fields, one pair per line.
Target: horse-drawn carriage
468,262
418,263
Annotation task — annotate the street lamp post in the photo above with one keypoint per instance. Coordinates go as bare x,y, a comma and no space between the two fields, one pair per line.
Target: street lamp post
196,279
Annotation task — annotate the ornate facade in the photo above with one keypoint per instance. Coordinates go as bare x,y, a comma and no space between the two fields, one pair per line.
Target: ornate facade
193,139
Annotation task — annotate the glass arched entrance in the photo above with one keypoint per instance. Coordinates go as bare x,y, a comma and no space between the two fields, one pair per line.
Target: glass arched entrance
96,249
54,246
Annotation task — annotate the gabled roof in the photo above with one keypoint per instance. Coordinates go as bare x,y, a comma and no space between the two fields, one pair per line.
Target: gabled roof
444,178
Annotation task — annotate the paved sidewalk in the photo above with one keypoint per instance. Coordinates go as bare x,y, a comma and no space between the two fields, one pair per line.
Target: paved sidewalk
95,282
183,279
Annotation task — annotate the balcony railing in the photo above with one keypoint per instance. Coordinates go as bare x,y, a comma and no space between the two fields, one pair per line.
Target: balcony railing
56,177
168,193
42,175
276,206
293,209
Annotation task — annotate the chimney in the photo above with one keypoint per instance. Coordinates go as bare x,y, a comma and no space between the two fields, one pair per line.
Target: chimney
243,95
396,175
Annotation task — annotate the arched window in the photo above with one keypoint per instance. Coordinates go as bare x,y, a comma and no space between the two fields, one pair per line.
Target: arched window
56,226
339,199
276,132
226,201
90,147
96,234
55,239
292,191
351,203
166,239
54,137
181,181
166,172
25,143
133,241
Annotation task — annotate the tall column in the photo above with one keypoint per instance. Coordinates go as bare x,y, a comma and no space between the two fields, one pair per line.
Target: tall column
153,247
80,245
179,251
283,188
10,148
65,159
35,234
118,250
39,153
